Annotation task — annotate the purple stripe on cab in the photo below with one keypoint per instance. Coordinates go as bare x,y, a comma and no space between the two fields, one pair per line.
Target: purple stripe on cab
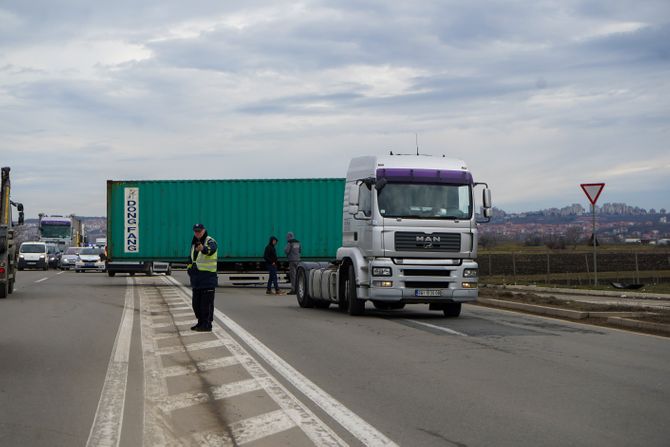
425,176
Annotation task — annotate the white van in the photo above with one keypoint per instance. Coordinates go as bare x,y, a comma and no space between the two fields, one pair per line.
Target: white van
33,255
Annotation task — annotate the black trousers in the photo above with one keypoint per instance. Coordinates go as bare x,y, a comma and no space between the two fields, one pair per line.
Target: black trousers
203,307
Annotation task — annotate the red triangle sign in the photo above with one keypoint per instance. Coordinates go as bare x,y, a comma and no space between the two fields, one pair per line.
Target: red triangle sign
592,191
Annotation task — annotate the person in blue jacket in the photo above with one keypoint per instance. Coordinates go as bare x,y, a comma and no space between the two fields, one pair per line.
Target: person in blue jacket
202,273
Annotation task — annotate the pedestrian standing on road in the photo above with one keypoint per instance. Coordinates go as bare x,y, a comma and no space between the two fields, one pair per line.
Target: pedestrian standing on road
292,251
202,273
270,257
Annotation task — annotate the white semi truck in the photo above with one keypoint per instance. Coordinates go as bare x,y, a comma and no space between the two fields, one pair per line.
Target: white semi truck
409,235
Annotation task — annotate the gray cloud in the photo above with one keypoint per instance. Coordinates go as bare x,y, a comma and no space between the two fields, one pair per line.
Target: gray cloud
555,92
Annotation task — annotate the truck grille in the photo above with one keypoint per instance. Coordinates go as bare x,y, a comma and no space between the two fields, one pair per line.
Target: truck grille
427,284
445,242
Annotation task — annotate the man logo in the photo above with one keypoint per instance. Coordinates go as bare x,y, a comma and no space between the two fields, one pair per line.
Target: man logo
426,241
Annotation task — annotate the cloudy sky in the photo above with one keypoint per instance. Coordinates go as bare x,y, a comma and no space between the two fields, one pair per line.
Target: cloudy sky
537,96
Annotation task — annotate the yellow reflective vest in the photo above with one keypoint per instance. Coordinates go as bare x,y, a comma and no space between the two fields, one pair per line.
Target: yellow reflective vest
205,263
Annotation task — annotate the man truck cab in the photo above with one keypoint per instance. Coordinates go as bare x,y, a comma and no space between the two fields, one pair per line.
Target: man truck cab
409,235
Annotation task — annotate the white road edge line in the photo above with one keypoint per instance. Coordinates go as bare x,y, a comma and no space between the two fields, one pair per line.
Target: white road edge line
43,279
106,428
350,421
439,328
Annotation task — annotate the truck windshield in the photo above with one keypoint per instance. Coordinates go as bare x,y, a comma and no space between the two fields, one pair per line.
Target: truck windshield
425,201
58,231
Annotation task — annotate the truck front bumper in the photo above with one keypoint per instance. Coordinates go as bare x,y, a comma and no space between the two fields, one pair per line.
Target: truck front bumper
425,283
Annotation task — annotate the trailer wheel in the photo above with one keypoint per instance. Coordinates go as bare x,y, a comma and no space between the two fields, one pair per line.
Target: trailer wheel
4,289
304,300
452,309
354,305
111,274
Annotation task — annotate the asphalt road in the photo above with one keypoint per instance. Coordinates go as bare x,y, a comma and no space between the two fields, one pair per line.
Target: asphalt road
73,361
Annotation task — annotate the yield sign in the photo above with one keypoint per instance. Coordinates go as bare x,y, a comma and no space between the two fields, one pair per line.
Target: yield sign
592,191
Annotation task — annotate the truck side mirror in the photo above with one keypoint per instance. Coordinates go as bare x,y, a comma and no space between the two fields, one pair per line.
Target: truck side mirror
20,218
353,194
486,198
353,209
487,212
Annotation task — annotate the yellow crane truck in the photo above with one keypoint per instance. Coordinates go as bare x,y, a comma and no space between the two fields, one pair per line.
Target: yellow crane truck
8,247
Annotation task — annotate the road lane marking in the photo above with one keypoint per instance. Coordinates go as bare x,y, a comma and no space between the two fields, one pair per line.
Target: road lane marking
108,421
353,423
60,273
202,366
249,430
189,348
40,280
185,400
157,426
439,328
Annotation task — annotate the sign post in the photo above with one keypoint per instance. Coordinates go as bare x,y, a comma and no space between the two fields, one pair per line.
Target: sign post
592,191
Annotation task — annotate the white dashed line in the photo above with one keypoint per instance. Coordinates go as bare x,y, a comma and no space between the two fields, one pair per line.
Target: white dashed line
40,280
439,328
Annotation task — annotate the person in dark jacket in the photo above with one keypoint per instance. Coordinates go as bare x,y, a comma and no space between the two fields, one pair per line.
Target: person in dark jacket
270,256
292,251
202,273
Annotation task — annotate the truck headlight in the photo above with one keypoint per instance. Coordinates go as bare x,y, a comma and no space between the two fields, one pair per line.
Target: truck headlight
382,283
469,285
381,271
470,273
20,256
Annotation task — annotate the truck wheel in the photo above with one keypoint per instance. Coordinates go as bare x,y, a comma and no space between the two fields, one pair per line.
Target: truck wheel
304,300
354,305
111,274
4,289
169,272
452,309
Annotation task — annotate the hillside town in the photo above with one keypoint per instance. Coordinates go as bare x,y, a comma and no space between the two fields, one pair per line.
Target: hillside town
616,223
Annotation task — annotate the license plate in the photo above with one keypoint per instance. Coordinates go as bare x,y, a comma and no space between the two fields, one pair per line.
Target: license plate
90,264
427,293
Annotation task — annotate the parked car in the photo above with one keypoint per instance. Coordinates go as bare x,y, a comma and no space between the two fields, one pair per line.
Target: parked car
33,255
69,258
89,259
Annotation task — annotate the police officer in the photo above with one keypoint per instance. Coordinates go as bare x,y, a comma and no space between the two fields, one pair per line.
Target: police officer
202,272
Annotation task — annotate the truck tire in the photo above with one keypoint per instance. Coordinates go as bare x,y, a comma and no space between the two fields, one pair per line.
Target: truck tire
452,309
354,305
4,289
321,304
304,300
111,274
169,272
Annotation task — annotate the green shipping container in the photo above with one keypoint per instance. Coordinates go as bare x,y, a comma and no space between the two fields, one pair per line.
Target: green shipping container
153,219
